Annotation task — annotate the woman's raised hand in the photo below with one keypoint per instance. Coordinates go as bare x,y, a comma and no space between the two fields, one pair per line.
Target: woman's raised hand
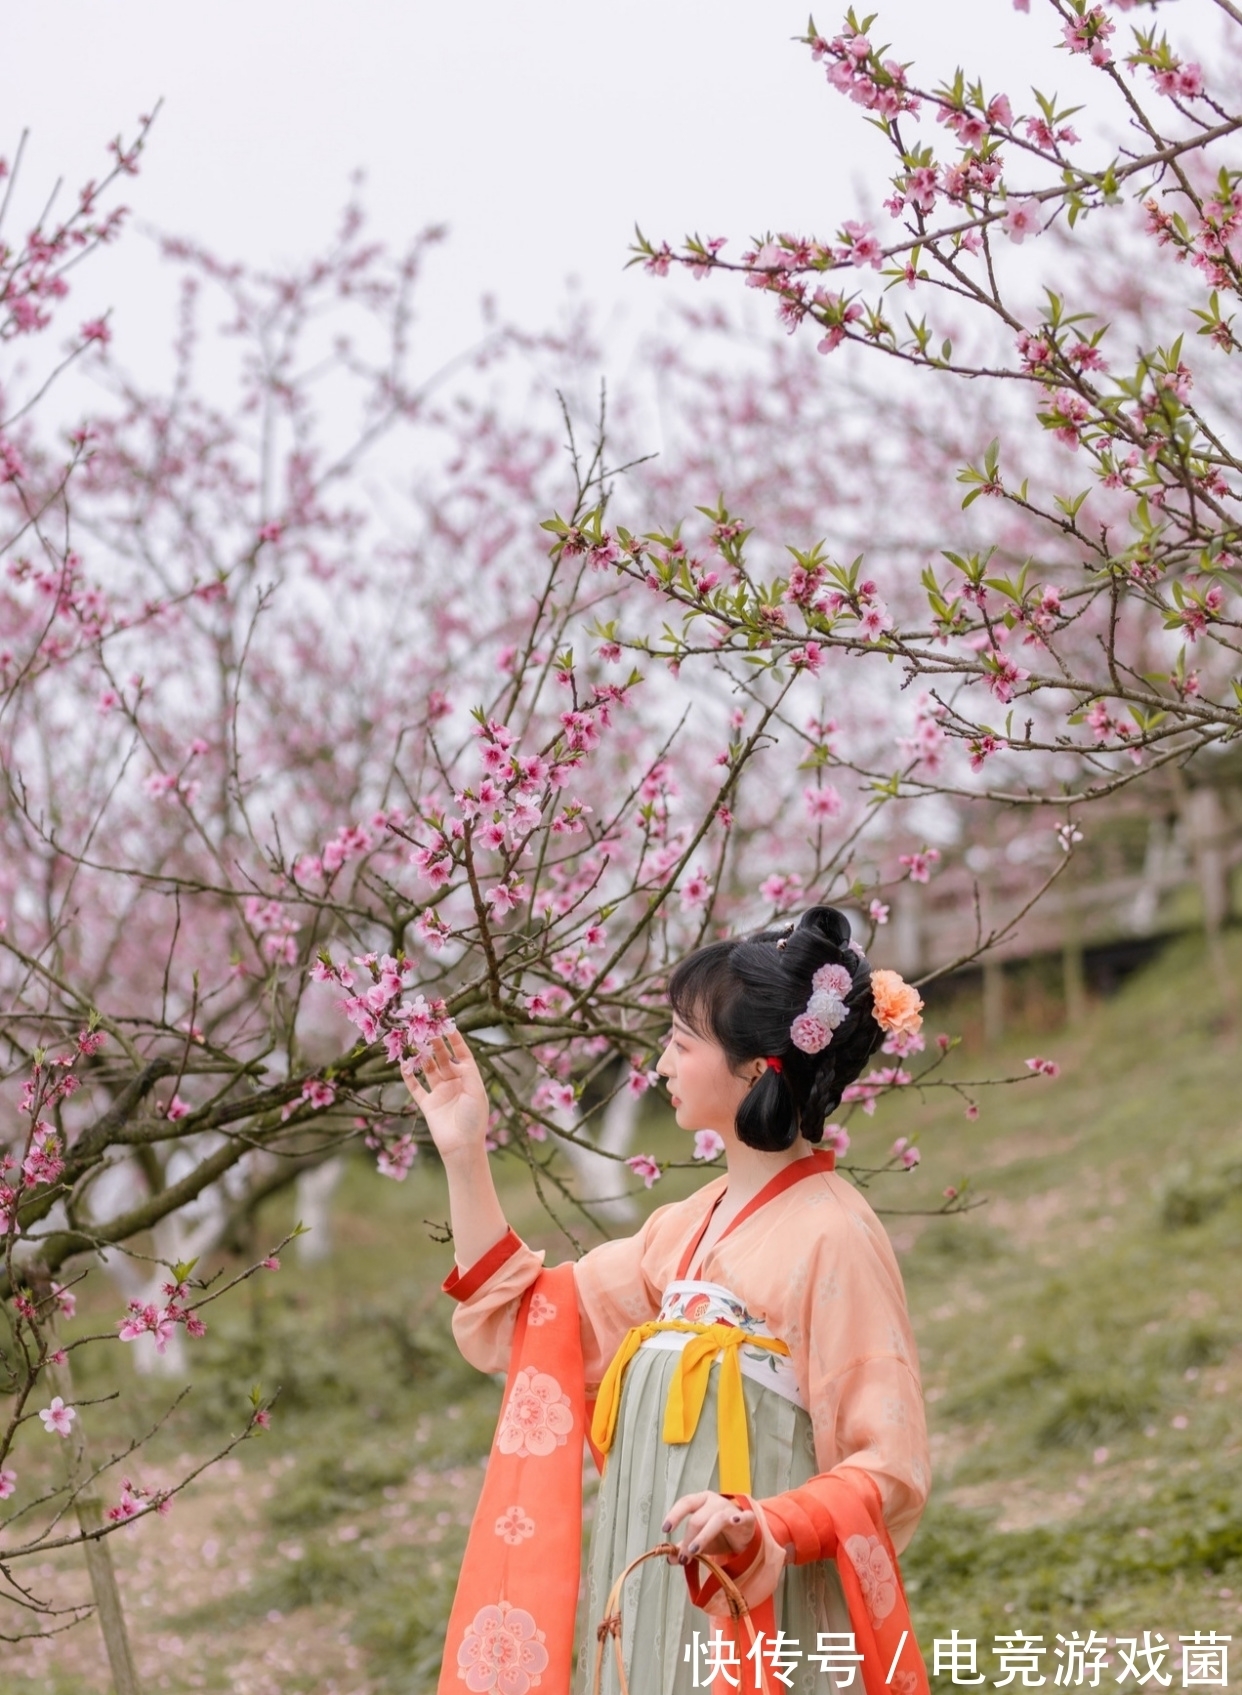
451,1095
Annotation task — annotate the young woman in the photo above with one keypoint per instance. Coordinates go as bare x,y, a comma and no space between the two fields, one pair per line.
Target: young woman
757,1377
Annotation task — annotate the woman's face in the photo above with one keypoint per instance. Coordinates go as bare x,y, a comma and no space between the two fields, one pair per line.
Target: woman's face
704,1092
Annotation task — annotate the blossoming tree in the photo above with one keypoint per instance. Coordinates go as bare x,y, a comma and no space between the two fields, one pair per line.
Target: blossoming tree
1111,647
283,756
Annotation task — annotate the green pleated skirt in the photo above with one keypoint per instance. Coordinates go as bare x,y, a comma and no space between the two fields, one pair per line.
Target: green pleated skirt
642,1478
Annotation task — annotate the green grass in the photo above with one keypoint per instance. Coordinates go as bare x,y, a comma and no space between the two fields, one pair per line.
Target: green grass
1066,1325
1063,1326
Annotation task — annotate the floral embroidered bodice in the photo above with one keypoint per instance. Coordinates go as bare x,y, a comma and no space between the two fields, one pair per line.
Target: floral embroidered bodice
695,1302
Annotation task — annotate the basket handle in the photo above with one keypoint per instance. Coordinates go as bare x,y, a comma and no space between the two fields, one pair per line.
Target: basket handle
610,1625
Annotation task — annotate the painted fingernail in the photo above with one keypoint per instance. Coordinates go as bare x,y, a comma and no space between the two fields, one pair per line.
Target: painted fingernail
694,1547
667,1526
737,1518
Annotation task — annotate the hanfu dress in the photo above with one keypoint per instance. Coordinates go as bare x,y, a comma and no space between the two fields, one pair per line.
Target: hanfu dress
806,1288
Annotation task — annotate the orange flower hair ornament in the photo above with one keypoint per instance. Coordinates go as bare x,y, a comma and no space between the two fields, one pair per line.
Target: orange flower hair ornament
897,1006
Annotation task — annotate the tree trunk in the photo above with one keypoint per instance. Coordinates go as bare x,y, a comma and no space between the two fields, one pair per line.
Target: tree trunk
97,1548
993,1002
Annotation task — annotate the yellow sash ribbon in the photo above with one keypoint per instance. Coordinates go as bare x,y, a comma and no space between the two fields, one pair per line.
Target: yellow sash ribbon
688,1391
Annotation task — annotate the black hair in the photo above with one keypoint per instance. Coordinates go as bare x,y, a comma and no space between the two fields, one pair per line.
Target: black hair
746,992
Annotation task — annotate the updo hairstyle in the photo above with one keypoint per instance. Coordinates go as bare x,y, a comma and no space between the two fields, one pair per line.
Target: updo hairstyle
745,993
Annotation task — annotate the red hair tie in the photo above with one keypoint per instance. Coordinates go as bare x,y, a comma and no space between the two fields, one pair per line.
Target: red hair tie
774,1064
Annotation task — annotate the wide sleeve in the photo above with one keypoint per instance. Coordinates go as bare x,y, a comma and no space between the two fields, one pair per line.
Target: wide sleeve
618,1284
859,1365
878,1428
488,1294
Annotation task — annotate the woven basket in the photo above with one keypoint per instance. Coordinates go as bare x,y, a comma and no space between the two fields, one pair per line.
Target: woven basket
610,1625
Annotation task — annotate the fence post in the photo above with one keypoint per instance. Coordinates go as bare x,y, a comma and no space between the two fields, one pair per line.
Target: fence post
1205,818
1205,823
1073,971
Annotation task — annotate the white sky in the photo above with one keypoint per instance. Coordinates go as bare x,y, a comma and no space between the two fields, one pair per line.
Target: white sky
539,133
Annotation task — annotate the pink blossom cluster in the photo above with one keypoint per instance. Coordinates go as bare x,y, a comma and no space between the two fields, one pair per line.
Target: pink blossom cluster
855,69
381,1010
34,278
1051,139
1211,238
597,545
639,1080
276,926
867,1090
552,1097
135,1500
318,1093
52,1079
823,802
45,1160
63,594
1179,80
151,1319
394,1153
862,601
834,313
1196,609
983,747
515,798
918,866
1104,726
648,1168
1041,615
1044,1067
902,1043
1088,33
974,175
1003,674
971,127
782,890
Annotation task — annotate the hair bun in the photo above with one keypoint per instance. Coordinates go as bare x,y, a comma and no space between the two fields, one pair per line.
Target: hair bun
826,923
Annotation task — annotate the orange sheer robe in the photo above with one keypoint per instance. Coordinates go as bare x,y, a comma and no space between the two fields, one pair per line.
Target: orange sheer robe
816,1264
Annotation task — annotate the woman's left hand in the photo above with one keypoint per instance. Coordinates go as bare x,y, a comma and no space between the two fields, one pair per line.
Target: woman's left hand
714,1525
